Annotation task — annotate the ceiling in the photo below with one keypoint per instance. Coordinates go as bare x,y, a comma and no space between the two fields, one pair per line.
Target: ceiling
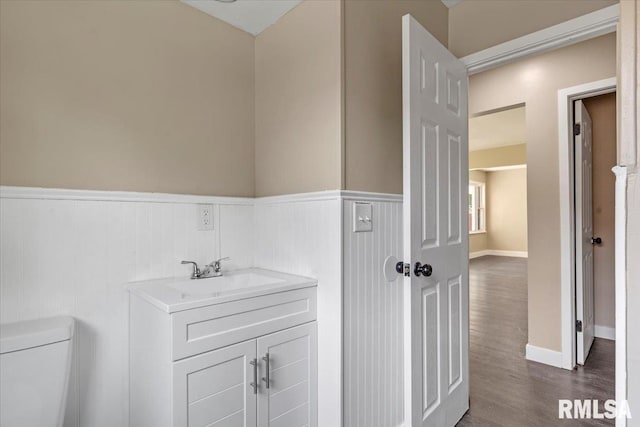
451,3
252,16
498,129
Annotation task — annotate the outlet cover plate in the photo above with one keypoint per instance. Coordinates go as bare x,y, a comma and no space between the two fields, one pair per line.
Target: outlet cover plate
362,217
205,217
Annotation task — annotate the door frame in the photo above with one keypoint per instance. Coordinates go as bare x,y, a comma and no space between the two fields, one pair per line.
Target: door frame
573,31
566,153
585,27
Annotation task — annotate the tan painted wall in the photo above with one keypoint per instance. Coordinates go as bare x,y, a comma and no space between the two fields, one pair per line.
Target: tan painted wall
602,110
478,241
535,81
298,104
373,87
507,210
499,156
91,101
476,25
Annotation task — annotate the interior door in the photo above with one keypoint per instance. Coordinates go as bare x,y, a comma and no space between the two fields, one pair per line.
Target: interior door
435,155
585,315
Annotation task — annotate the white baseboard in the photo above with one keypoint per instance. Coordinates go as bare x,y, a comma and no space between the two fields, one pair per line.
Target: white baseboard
478,254
495,252
605,332
544,355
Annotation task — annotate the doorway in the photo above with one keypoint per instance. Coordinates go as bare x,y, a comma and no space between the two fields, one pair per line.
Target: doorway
573,241
595,156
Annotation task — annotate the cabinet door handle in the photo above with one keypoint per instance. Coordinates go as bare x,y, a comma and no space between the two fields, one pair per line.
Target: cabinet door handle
266,377
254,384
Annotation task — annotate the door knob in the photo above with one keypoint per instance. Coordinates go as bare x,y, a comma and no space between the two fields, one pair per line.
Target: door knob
422,270
596,240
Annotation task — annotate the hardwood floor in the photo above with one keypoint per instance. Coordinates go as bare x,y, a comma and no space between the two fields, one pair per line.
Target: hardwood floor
506,389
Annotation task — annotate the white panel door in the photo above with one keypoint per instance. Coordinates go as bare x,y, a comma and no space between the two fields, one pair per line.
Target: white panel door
216,388
288,378
584,234
436,306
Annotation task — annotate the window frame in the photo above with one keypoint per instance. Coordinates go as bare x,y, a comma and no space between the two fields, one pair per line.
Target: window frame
479,214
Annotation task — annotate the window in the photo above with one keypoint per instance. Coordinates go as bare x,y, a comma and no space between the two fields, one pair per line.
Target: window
476,207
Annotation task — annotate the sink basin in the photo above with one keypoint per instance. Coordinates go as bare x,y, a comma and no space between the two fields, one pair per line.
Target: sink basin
217,285
177,294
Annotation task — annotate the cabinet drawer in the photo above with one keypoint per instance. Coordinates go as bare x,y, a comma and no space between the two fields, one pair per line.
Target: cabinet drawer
207,328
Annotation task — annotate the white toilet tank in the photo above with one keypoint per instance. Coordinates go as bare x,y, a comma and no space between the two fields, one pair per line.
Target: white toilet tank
35,362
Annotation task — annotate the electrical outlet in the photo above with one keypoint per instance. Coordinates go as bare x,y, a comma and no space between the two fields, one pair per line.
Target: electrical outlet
205,217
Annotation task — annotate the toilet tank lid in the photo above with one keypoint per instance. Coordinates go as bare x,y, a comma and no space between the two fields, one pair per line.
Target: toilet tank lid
33,333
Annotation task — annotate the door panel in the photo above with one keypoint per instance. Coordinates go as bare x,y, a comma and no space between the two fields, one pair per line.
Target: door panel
455,332
213,389
585,308
291,398
430,181
217,407
453,213
431,348
435,151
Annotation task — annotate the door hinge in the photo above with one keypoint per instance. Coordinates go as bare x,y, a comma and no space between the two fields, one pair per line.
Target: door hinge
578,325
576,129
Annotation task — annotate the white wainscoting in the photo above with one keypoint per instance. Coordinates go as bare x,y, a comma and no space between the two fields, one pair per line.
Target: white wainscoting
373,347
301,234
73,252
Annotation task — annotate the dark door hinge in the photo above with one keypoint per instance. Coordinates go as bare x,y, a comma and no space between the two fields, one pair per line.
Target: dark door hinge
576,129
578,325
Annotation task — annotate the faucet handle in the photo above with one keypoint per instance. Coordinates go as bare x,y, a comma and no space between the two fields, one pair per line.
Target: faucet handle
217,261
217,268
196,271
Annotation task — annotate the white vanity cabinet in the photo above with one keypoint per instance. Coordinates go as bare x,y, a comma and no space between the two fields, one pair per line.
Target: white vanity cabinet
228,387
246,361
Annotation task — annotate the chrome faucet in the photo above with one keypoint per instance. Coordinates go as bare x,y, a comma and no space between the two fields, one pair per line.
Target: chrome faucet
213,269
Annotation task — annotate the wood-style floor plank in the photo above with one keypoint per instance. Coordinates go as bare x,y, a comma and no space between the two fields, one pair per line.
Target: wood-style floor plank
506,389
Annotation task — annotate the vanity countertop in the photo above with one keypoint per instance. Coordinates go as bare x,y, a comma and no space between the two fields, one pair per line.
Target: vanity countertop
180,293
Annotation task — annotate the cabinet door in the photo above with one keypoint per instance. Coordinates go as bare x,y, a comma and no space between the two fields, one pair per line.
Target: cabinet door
214,389
291,397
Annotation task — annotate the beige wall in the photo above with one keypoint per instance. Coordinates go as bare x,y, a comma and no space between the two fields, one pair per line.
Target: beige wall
499,156
535,81
507,210
373,87
602,110
298,103
478,242
136,96
476,25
